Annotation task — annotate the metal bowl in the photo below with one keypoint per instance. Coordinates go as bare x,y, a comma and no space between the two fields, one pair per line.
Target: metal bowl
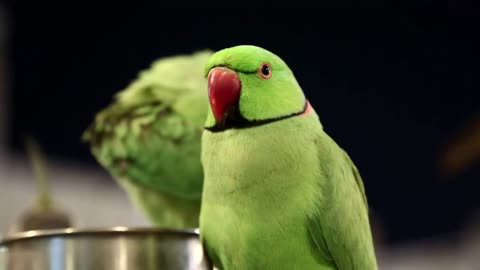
117,248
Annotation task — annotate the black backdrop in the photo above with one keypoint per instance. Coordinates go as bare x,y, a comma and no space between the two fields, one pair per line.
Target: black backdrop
390,88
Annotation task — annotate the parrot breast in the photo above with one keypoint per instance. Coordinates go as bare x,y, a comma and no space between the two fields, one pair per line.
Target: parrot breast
258,183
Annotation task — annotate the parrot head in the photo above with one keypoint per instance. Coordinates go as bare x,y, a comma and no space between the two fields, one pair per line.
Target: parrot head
250,86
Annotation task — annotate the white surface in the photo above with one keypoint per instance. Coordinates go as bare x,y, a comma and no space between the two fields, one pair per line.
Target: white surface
88,194
430,255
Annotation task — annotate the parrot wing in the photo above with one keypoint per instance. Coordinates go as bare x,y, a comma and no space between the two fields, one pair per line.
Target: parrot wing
151,134
144,143
339,226
357,177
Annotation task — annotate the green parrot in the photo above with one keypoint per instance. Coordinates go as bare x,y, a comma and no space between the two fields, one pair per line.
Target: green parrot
149,139
278,192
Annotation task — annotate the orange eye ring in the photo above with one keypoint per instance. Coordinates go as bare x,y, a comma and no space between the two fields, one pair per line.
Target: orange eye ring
265,70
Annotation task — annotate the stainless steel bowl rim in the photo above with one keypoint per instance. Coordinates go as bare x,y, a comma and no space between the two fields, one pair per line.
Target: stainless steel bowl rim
118,230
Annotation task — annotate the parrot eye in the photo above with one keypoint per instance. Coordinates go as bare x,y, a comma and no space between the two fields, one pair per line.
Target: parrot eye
265,70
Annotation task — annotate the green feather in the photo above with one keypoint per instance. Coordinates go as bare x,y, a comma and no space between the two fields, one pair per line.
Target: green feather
149,138
339,224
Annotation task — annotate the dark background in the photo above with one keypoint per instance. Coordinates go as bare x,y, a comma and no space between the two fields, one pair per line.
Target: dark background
390,88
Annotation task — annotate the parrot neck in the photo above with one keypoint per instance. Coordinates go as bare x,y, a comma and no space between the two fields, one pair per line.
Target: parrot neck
239,122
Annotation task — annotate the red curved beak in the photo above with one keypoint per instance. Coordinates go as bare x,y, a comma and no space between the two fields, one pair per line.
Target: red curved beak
223,91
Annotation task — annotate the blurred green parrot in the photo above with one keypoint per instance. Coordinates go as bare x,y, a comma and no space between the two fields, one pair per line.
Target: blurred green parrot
149,139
